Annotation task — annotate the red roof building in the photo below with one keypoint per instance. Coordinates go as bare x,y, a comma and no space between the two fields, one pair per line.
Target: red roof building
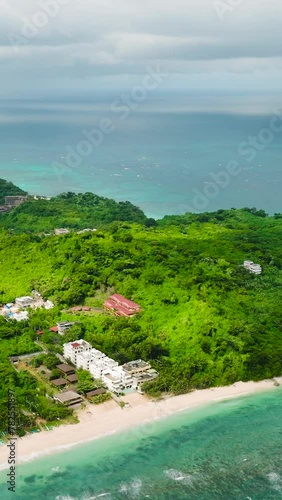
76,309
40,332
121,306
75,344
54,329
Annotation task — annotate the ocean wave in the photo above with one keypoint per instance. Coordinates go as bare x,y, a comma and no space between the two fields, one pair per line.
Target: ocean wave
90,497
276,481
86,496
64,497
177,475
131,489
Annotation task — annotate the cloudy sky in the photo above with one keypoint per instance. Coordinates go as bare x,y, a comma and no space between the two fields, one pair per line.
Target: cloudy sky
227,46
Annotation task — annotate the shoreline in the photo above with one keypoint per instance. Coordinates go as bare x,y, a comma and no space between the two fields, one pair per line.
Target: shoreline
109,419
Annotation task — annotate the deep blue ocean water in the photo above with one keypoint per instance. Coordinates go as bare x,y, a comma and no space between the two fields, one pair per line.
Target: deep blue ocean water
156,157
229,450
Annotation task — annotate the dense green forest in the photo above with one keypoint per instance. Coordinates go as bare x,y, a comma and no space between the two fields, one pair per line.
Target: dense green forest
73,211
205,320
9,189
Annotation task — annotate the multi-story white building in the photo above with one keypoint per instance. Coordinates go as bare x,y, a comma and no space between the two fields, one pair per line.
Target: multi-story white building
112,379
252,267
23,302
86,358
98,367
115,377
73,349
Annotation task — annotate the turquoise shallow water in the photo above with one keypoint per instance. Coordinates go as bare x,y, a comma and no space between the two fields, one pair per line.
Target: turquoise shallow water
155,158
226,450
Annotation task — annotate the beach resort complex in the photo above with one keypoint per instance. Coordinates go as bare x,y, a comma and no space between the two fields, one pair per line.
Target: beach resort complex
115,377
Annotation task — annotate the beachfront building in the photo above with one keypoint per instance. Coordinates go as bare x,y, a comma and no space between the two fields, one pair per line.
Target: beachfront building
73,349
66,369
115,377
100,366
120,306
68,398
95,392
140,378
252,267
113,382
59,382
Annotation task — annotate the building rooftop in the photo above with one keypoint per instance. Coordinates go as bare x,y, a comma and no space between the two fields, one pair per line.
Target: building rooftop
121,306
111,377
96,392
54,329
69,370
125,302
26,297
68,397
138,365
72,378
59,382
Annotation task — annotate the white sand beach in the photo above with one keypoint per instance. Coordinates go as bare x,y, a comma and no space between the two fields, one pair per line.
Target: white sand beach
109,418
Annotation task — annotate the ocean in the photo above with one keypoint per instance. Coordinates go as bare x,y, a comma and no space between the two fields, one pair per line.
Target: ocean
225,450
161,156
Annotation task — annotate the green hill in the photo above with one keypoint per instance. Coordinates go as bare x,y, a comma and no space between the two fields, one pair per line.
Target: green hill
206,321
9,189
74,211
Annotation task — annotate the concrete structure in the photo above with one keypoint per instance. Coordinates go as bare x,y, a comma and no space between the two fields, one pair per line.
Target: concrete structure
48,304
253,268
137,366
72,349
64,326
68,398
86,230
19,316
4,209
140,378
14,201
60,231
113,382
24,302
116,378
98,367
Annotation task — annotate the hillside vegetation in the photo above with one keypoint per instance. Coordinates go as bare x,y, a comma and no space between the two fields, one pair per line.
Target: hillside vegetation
71,211
205,320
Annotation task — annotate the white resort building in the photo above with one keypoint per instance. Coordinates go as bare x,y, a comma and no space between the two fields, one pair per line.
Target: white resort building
73,349
115,377
252,267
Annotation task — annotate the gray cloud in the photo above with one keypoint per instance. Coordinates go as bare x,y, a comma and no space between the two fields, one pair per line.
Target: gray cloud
110,42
